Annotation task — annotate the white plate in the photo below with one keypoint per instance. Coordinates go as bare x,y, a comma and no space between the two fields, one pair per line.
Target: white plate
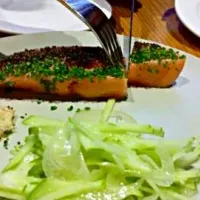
22,16
189,14
176,109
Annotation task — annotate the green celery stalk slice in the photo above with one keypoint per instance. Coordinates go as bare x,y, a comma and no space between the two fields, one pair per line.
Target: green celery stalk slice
19,156
51,189
10,193
107,110
34,120
133,128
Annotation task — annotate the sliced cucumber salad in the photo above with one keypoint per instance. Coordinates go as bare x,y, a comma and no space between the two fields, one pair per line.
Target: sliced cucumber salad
99,155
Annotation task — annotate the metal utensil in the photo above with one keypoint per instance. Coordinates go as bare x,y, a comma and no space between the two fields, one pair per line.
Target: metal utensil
130,33
100,25
2,56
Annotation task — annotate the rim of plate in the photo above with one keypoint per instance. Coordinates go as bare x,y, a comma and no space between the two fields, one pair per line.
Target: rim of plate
11,28
120,36
5,27
187,21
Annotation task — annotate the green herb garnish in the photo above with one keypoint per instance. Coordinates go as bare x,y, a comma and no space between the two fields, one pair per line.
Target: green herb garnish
87,108
39,101
5,143
70,108
9,84
54,108
55,68
154,52
78,110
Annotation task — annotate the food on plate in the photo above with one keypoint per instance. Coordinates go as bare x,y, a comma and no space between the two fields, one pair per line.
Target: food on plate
72,72
99,154
154,66
6,121
86,72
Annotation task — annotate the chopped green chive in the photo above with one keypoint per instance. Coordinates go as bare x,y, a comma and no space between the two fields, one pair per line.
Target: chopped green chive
182,57
5,143
39,101
152,70
39,68
54,108
9,84
78,110
87,108
148,52
70,108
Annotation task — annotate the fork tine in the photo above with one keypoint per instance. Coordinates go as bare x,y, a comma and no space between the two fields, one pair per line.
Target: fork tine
114,42
2,56
114,38
100,25
106,38
105,34
111,40
103,39
117,52
105,43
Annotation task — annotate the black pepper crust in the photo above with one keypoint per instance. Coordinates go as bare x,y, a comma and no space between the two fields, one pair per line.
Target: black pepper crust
141,45
87,57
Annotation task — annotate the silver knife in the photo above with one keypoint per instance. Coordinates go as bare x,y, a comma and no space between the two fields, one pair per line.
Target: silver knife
130,34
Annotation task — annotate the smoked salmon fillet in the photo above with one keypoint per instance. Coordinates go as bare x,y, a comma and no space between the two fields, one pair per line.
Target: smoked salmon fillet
71,72
154,66
75,73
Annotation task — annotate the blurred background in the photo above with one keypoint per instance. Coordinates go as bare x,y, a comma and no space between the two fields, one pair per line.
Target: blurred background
154,20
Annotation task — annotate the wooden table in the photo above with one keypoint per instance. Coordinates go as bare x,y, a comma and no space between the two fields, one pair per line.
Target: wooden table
154,20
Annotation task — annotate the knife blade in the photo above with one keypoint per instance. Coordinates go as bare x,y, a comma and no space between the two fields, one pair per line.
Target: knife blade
130,33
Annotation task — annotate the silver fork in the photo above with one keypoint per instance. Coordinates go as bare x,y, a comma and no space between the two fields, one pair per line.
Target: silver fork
2,56
100,25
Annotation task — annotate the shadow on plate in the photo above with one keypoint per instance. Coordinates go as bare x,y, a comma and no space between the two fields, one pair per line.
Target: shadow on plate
181,81
179,31
18,94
